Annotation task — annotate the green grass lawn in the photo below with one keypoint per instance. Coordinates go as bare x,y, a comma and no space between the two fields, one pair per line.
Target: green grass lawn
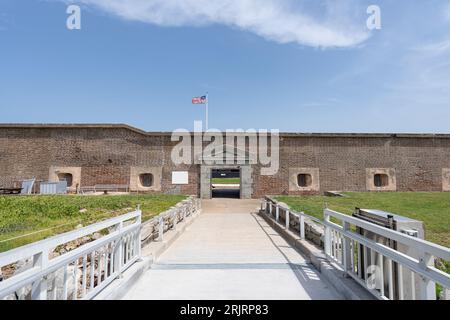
226,180
433,208
45,216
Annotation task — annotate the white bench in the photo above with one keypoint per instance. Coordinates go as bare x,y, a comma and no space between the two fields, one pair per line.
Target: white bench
105,188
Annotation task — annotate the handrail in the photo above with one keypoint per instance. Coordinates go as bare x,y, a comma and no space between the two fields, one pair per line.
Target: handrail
29,249
102,260
89,268
12,284
398,275
293,212
169,219
301,216
412,263
405,271
424,245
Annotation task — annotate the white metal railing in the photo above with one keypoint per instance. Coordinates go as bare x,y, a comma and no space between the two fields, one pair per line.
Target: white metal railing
407,272
404,274
155,228
77,274
290,217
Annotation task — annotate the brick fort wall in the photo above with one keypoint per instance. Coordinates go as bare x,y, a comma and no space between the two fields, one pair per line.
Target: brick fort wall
106,154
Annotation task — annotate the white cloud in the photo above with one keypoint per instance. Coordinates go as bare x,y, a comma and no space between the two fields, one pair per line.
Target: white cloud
283,21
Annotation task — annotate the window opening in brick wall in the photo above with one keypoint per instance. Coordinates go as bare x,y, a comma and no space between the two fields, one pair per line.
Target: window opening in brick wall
380,180
64,176
146,179
304,180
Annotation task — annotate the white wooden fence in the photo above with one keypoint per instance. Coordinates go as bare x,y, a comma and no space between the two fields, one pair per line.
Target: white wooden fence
77,274
387,273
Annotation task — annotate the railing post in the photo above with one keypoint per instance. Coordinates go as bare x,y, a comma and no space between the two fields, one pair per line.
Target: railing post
39,288
161,228
175,219
277,213
446,294
327,240
270,208
301,219
347,252
139,221
426,287
287,219
119,259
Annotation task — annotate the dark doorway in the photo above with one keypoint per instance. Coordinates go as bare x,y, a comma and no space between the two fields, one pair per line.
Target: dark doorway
226,183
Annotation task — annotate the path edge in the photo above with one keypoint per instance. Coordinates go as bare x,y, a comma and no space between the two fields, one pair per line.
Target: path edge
334,275
150,254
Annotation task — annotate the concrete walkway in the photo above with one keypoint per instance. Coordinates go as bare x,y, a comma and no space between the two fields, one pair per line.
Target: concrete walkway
231,253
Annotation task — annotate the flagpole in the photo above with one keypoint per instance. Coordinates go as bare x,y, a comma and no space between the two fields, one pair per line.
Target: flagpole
207,101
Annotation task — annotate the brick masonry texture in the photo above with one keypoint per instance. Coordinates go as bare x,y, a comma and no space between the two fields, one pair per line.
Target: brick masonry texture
105,154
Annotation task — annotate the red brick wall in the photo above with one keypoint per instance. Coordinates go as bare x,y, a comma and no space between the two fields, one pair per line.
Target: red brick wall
106,154
342,162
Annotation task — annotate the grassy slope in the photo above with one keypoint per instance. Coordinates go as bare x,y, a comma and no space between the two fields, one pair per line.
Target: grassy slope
21,215
226,180
431,207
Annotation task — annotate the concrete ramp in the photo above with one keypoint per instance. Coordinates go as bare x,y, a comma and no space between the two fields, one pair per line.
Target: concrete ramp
229,252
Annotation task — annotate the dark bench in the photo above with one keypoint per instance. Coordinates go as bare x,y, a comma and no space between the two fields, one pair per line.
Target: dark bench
10,190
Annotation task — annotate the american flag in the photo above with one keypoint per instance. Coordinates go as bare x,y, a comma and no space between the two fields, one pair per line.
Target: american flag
199,100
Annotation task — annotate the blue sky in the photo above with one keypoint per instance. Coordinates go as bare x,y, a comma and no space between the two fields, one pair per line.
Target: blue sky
303,66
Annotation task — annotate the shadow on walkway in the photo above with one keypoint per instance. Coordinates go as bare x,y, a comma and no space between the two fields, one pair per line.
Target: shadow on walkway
226,193
304,272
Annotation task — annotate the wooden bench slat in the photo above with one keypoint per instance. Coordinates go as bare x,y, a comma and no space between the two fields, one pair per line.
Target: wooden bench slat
105,187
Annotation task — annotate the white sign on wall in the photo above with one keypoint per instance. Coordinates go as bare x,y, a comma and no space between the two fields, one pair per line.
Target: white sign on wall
180,177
